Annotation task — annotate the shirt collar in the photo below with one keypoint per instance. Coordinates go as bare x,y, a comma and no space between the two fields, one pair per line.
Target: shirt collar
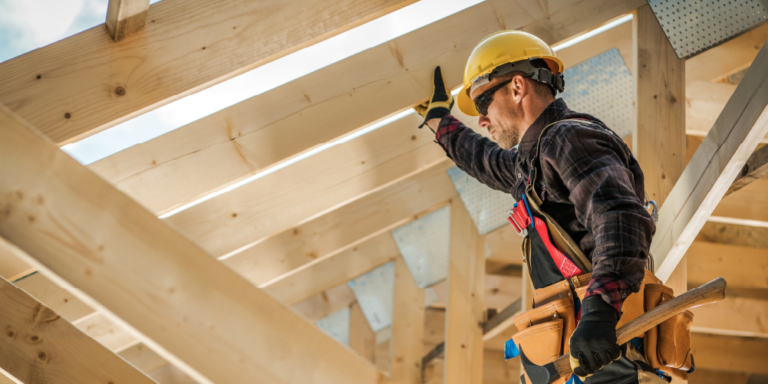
553,112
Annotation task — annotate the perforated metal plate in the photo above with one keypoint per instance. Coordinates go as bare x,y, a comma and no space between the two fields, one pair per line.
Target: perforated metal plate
426,245
693,26
487,207
602,87
375,292
336,325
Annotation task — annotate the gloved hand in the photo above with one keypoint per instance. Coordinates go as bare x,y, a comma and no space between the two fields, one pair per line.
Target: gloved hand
593,344
441,102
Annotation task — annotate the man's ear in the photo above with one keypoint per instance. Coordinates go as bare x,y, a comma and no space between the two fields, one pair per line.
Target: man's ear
519,87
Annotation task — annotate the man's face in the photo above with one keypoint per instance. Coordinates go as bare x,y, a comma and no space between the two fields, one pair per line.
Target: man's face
503,120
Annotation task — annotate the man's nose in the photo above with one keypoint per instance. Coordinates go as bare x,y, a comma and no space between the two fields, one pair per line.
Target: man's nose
484,122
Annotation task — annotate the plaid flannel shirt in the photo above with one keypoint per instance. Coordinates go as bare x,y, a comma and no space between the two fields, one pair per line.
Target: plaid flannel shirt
593,187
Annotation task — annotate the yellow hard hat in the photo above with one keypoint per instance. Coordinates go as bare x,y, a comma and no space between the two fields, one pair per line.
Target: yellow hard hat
498,49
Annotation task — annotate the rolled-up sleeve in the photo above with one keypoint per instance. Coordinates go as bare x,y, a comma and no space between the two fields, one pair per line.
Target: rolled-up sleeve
477,155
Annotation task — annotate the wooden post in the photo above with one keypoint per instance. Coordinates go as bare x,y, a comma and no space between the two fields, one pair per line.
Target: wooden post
659,132
407,327
465,304
125,17
361,337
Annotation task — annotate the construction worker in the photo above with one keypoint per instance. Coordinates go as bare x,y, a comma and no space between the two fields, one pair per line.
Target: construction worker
573,172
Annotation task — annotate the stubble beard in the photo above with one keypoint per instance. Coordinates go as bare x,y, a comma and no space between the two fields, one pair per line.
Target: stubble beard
508,137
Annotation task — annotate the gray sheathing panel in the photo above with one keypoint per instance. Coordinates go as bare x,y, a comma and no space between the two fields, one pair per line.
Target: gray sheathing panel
336,325
487,207
602,87
375,292
693,26
425,245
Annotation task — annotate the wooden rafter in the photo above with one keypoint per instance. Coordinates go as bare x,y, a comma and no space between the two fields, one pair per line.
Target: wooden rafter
125,17
407,327
229,145
87,83
714,166
37,345
194,310
755,168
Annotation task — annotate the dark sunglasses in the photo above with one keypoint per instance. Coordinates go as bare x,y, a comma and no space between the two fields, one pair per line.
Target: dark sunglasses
485,99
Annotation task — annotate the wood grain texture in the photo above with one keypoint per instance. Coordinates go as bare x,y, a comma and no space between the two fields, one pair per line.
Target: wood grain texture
726,58
126,17
750,202
713,168
310,187
325,303
742,267
86,83
173,294
361,338
465,306
328,272
392,206
727,353
255,134
407,327
38,346
755,168
735,316
54,297
734,234
11,266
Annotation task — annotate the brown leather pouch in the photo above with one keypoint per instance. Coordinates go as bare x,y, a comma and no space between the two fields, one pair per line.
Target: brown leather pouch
633,305
541,343
551,293
668,345
558,309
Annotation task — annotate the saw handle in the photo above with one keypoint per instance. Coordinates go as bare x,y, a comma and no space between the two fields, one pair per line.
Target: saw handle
708,293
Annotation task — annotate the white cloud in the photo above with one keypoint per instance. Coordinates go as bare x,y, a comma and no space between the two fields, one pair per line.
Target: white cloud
40,22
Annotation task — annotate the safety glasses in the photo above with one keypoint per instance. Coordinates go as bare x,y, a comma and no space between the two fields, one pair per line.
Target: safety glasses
485,99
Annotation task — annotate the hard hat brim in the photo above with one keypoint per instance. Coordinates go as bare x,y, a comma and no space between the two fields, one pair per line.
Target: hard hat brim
465,103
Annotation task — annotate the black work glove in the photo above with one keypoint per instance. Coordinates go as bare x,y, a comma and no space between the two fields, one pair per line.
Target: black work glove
441,102
593,344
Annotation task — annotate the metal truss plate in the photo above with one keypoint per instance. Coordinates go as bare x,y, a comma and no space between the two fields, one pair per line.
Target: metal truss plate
693,26
487,207
375,292
336,325
425,245
602,87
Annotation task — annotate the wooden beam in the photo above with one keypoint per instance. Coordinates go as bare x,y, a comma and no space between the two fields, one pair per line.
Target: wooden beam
361,219
106,332
728,353
755,168
37,345
500,291
330,271
407,327
742,267
54,297
734,234
361,338
232,144
126,17
713,168
619,37
86,83
735,316
325,303
463,326
311,187
750,202
11,266
129,264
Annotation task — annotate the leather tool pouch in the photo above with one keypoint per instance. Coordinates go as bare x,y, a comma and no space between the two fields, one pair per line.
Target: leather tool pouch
633,305
557,309
541,343
668,345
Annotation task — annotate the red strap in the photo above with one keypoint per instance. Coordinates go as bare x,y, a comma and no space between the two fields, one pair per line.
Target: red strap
565,265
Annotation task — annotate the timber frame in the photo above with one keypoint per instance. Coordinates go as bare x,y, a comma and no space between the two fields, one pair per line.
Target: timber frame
95,286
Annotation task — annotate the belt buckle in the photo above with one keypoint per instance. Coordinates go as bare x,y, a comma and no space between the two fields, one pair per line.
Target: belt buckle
522,231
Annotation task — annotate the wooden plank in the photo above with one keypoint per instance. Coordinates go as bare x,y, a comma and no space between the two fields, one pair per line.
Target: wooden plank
357,221
734,234
713,168
619,37
325,303
755,168
12,267
168,374
330,271
735,316
708,376
126,17
40,346
193,310
705,101
750,202
500,291
407,327
311,187
86,83
727,58
504,244
106,332
463,325
728,353
227,146
143,358
54,297
742,267
361,338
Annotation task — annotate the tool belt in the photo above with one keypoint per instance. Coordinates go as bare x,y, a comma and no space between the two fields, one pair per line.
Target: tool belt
560,271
